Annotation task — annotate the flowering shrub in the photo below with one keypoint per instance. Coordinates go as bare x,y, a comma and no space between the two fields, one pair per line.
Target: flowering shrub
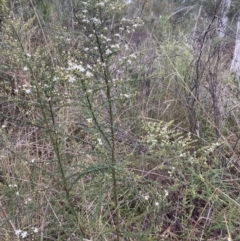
81,159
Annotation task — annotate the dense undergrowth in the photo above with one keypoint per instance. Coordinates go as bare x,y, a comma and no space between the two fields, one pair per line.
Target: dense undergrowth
116,125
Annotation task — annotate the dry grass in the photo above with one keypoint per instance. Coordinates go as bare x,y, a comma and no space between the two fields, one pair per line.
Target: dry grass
63,147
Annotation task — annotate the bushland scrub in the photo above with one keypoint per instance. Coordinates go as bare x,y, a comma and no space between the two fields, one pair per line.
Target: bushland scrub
118,122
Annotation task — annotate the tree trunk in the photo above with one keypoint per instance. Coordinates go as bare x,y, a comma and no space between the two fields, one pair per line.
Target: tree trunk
235,65
222,17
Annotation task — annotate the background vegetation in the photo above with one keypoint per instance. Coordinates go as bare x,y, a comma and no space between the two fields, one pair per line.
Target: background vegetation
119,121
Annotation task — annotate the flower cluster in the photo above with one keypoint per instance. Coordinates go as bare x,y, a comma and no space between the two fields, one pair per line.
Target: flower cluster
24,234
76,68
21,233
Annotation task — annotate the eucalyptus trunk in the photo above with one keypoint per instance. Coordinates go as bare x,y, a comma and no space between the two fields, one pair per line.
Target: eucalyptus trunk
222,17
235,65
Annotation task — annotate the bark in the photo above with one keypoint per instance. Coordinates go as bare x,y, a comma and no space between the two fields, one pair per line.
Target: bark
235,65
222,17
197,19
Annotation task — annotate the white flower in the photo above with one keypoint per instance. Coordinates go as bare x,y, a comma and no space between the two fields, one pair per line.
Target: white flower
71,79
25,68
35,230
89,74
55,78
27,91
17,193
146,197
99,141
28,55
157,204
4,126
89,120
116,46
101,4
24,234
28,200
81,69
85,20
133,56
73,66
108,51
166,192
18,232
95,20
